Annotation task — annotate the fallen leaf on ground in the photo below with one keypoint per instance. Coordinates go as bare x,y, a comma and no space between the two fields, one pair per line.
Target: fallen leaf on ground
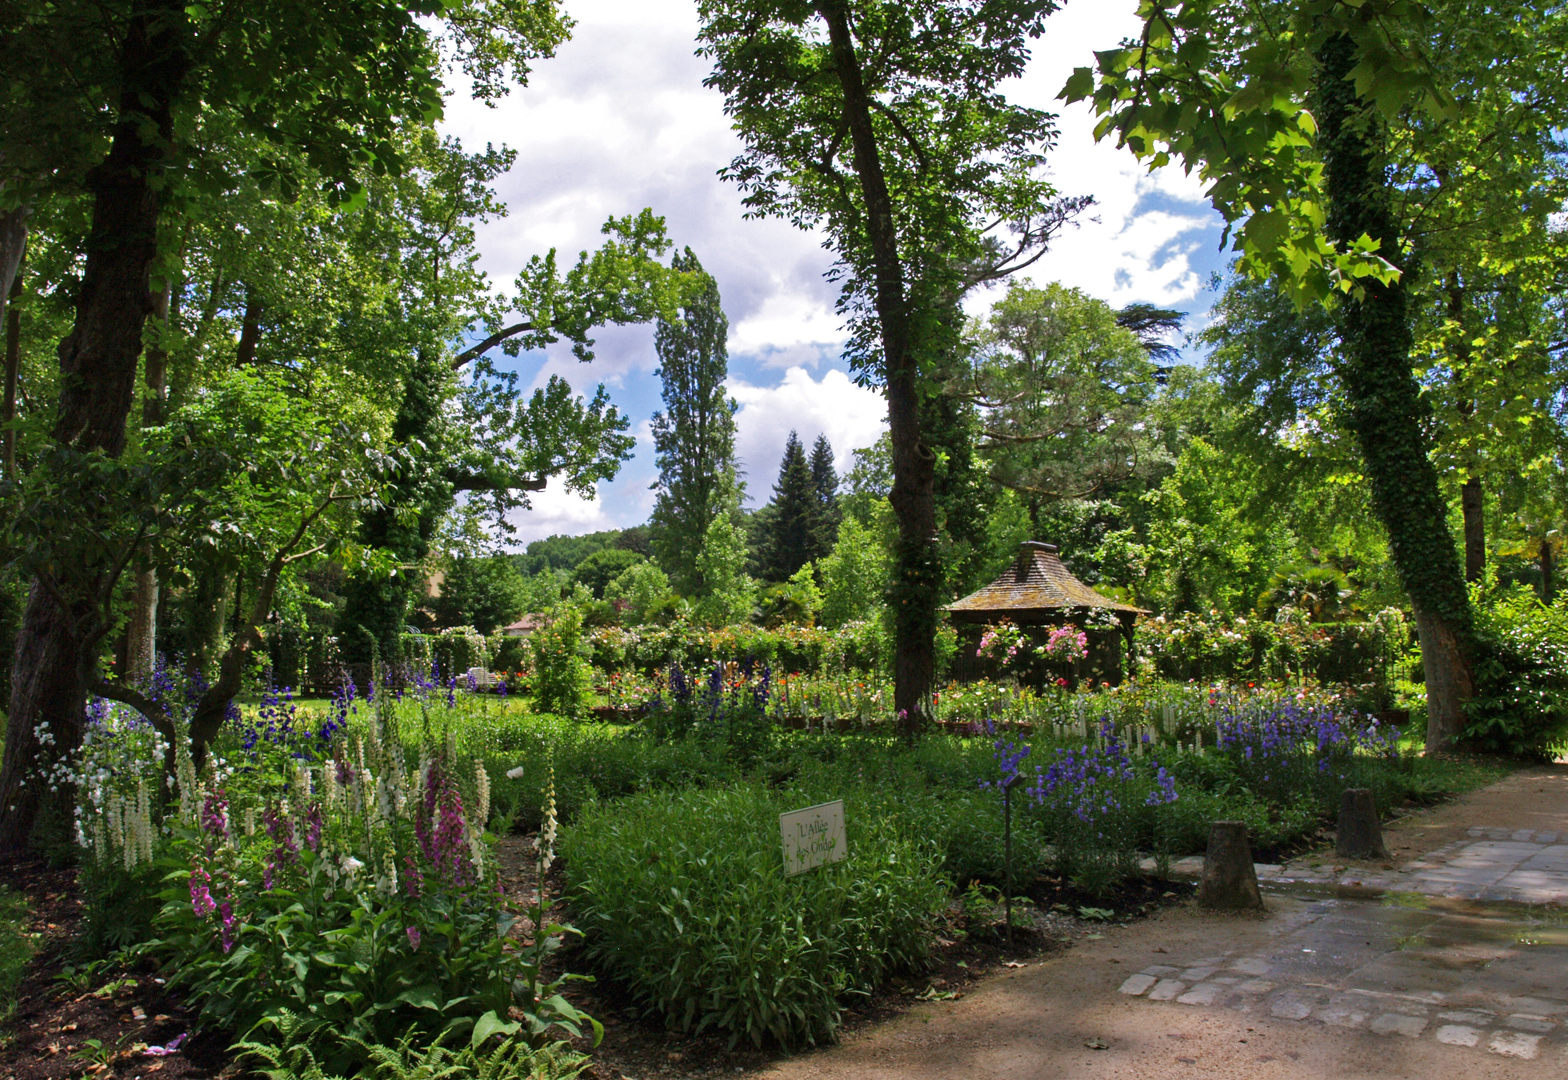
1098,1044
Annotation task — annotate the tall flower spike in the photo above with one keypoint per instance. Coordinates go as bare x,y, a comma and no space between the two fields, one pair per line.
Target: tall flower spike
482,791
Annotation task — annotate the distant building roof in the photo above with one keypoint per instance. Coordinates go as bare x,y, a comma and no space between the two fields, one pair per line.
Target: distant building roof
1038,583
526,625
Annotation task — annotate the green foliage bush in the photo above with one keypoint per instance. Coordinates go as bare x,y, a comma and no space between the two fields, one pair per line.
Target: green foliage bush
682,895
17,946
1521,677
561,675
786,648
1360,653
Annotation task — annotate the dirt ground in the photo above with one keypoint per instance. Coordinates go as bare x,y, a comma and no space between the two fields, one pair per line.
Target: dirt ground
1064,1017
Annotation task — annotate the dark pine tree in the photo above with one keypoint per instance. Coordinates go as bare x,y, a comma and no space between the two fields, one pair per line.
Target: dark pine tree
792,533
824,478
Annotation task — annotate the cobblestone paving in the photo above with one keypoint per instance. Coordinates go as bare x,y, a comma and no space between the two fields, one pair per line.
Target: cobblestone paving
1441,955
1496,865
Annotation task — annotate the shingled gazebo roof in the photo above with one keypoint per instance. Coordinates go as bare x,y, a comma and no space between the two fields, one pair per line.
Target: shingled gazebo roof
1037,586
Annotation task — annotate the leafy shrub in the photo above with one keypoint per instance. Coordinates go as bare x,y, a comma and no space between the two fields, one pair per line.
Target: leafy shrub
16,947
1362,653
682,896
1521,677
561,675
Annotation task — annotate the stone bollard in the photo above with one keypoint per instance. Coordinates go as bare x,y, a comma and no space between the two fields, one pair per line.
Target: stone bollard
1360,835
1229,881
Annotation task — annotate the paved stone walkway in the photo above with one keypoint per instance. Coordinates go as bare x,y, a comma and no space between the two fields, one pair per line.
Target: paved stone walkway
1446,954
1518,866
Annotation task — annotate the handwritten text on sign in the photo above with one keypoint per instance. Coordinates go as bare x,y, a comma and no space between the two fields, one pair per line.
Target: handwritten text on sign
813,836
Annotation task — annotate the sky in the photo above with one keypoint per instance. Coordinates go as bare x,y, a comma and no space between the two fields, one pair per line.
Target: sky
619,120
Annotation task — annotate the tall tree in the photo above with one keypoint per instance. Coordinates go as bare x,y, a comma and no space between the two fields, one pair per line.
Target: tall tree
884,123
694,435
824,478
794,520
1227,88
287,73
1063,393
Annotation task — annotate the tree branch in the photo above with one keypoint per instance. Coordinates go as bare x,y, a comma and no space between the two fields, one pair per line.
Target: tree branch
478,482
475,351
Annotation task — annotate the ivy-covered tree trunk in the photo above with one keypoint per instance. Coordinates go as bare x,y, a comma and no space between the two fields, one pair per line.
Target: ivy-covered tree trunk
98,363
1386,409
917,569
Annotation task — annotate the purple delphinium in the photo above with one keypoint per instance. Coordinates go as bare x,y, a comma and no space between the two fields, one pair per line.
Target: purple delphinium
1008,755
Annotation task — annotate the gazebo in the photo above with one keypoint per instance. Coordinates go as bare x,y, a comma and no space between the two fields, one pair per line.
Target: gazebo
1036,593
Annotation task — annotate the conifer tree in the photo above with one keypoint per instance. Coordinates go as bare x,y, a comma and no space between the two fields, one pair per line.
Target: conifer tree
694,437
824,477
796,515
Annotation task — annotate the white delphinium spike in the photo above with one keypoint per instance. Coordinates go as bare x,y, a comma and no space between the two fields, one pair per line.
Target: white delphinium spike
476,852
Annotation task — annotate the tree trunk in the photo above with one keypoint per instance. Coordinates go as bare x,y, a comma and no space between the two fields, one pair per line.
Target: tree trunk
250,328
917,569
1385,406
13,371
1548,582
13,243
48,702
1475,529
98,364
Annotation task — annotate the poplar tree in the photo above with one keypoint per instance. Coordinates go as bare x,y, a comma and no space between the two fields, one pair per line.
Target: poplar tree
694,436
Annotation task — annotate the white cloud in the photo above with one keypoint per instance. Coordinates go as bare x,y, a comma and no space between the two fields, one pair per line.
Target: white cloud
851,416
556,510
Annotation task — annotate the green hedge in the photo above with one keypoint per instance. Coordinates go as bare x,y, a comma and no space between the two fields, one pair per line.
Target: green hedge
682,896
806,649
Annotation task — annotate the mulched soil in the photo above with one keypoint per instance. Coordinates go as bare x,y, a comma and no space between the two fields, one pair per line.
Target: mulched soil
126,1013
130,1013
